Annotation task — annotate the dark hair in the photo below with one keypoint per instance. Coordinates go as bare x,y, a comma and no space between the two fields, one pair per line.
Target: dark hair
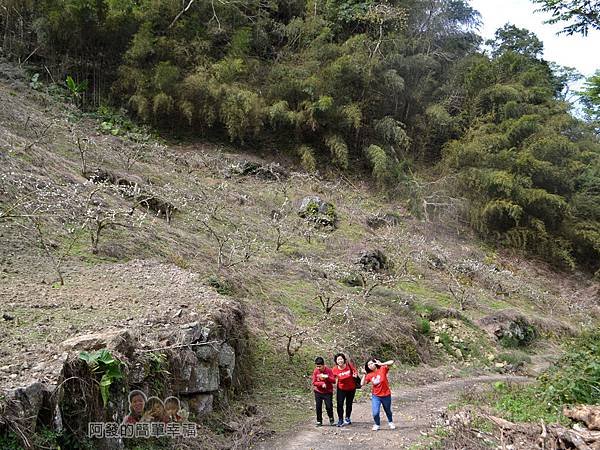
367,365
319,361
173,400
337,356
136,393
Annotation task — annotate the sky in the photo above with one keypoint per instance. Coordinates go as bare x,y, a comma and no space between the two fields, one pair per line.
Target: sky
577,51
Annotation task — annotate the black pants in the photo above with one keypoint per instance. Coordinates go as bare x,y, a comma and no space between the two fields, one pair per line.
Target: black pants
328,399
340,396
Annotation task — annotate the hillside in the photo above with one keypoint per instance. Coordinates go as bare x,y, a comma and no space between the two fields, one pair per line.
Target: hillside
150,236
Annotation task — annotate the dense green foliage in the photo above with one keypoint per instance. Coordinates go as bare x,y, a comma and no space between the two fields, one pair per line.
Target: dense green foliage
529,168
361,85
579,15
574,379
590,97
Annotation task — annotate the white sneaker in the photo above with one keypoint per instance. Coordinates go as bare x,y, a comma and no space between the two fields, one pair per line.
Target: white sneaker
391,425
375,428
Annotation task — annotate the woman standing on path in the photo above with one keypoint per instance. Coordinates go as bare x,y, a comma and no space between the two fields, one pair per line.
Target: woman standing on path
346,388
376,372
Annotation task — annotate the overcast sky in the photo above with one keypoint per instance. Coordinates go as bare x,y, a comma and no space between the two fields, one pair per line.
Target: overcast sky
583,53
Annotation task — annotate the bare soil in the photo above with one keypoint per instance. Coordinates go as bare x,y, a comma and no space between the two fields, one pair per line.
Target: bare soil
138,295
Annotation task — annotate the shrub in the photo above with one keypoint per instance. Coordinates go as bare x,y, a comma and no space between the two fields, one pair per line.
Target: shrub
104,365
424,326
574,379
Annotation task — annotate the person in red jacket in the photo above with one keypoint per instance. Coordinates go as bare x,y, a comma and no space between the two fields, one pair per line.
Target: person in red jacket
346,387
376,372
322,380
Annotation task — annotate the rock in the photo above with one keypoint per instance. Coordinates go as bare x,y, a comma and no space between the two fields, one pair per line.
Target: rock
314,209
192,333
25,403
120,340
200,405
516,333
352,280
271,172
227,359
374,261
7,316
436,261
512,328
204,378
380,220
194,376
206,352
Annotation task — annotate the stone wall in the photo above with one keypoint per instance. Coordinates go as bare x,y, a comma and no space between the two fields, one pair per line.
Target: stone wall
198,362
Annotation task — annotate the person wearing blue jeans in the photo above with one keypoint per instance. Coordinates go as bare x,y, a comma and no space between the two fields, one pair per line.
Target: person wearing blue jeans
375,372
376,404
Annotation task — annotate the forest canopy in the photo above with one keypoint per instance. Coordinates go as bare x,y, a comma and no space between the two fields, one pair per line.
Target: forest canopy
373,87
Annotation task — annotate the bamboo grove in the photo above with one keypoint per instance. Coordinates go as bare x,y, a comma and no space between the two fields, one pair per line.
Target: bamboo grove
372,87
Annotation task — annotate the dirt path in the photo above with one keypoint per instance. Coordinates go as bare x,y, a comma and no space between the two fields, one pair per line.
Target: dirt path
415,410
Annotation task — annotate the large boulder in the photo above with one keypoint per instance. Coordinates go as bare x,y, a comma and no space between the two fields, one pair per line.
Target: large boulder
119,340
25,404
511,328
322,213
374,261
197,362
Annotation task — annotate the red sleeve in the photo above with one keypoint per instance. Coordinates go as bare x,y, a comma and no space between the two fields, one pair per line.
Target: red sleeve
368,377
314,379
386,369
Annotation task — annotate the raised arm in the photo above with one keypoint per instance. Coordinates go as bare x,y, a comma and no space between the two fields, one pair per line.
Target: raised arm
387,363
363,376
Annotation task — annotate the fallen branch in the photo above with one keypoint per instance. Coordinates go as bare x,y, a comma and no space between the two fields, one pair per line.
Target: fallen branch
169,347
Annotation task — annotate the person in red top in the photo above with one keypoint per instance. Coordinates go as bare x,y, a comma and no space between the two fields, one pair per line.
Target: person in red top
346,387
375,372
322,380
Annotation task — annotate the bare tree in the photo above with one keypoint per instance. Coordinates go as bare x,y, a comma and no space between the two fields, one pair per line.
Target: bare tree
281,219
99,215
82,146
235,243
459,289
130,153
55,252
42,212
434,198
328,303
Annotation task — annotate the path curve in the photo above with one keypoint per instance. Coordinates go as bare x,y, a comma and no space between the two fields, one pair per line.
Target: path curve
415,409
